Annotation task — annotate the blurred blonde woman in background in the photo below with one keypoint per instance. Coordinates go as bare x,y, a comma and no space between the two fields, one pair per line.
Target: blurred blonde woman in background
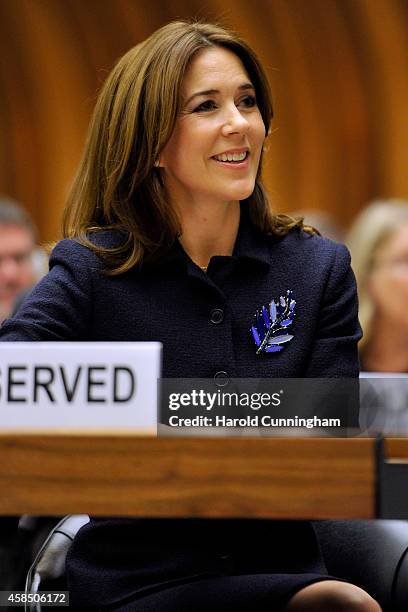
378,242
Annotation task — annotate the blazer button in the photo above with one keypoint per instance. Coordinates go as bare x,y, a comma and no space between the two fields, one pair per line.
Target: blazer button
221,378
217,316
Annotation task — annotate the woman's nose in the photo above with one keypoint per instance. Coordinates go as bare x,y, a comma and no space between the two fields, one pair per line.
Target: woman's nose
234,122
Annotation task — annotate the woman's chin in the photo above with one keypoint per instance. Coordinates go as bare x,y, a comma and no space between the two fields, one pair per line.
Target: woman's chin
241,193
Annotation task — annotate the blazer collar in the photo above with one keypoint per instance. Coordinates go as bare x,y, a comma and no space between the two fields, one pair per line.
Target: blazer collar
251,246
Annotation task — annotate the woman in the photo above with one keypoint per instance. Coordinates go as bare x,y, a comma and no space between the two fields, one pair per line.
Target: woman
171,238
378,241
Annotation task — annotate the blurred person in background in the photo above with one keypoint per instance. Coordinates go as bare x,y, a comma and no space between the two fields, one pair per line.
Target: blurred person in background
17,275
18,268
378,242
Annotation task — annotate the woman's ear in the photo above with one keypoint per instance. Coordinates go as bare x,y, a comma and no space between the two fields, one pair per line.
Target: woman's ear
160,162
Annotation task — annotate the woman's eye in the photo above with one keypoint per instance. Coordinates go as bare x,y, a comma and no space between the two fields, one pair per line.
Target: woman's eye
248,101
205,106
209,105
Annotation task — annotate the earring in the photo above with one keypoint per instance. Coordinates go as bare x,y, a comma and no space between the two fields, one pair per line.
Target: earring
156,163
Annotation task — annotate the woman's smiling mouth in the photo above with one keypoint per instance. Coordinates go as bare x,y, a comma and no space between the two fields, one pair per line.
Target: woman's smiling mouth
232,158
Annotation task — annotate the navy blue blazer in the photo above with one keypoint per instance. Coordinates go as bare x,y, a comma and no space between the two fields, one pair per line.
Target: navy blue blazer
204,320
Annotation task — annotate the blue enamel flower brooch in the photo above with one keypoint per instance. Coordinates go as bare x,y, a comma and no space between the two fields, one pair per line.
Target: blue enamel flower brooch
271,322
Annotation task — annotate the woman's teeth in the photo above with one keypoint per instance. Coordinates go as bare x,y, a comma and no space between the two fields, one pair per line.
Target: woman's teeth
231,157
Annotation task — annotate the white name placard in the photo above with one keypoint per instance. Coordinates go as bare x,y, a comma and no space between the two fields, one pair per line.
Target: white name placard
69,386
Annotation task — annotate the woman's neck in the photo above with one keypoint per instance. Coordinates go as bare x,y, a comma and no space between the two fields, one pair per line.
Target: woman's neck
209,230
387,350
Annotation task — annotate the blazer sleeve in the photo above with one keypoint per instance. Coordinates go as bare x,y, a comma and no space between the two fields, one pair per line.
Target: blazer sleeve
60,305
334,352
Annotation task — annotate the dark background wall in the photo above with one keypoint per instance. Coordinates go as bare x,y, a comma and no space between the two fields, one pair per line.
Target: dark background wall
338,69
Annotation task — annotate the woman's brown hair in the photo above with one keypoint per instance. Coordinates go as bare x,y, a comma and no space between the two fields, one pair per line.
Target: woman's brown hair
117,185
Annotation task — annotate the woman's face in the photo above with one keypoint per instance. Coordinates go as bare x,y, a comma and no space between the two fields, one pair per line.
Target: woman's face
388,284
214,151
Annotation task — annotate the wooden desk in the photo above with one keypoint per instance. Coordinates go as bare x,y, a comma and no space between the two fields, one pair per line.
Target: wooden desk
234,477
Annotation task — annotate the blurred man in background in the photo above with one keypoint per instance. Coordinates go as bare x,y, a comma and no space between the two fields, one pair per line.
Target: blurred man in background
17,245
20,268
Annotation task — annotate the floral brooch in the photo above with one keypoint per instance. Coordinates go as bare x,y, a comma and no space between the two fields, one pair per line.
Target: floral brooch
270,322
